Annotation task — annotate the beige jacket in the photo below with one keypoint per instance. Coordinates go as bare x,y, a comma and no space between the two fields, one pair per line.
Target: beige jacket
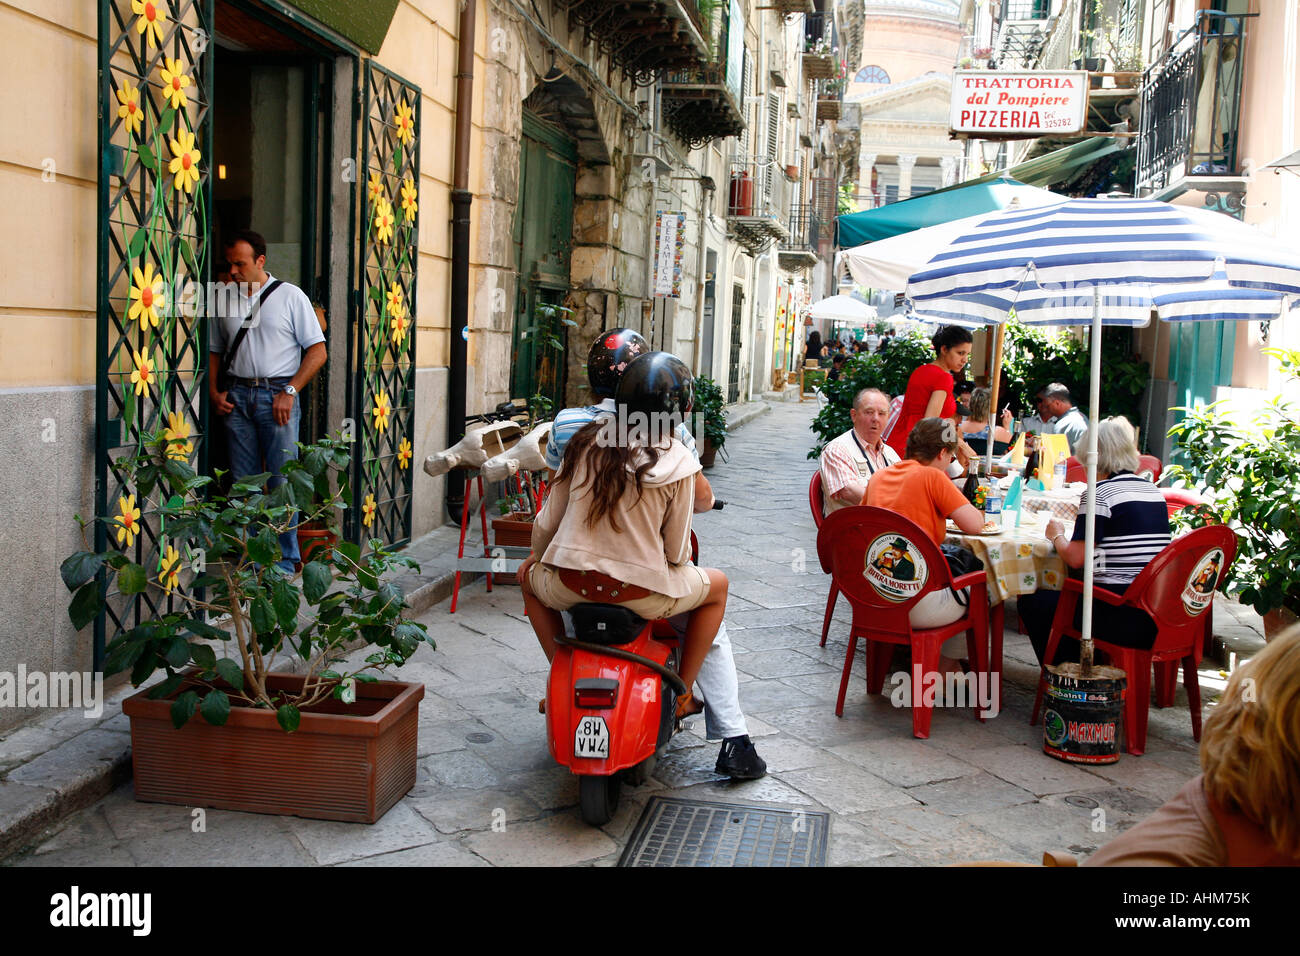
652,548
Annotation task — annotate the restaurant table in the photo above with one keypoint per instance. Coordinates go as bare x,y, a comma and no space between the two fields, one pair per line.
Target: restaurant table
1063,503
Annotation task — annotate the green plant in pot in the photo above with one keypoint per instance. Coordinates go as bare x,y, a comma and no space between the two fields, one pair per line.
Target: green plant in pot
708,419
218,638
1248,472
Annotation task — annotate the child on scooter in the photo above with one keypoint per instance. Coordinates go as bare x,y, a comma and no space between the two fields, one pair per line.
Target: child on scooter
620,510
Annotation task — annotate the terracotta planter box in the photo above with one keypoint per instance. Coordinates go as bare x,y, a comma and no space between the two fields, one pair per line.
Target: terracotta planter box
512,534
312,538
344,762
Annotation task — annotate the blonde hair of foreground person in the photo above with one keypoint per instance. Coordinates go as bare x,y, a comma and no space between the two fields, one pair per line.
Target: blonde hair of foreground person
1250,745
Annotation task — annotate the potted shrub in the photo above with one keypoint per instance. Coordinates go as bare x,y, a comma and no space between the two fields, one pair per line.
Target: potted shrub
223,729
514,529
708,420
1248,473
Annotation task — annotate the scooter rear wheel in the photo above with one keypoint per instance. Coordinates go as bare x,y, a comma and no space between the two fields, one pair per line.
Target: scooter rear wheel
598,798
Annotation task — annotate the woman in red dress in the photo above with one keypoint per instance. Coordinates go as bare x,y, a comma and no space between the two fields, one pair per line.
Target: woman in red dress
929,390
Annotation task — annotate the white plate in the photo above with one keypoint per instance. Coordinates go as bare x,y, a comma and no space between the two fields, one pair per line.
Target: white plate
591,739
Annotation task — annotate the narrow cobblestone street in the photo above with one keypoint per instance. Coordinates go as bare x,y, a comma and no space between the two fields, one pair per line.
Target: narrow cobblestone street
972,791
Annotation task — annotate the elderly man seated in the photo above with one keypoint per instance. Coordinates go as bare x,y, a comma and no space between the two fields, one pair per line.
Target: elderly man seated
849,461
1065,418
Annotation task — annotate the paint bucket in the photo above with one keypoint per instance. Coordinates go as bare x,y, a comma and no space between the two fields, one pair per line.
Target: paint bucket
1082,716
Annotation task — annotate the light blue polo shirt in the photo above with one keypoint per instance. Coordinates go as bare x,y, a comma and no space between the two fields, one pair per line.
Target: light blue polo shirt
285,326
570,420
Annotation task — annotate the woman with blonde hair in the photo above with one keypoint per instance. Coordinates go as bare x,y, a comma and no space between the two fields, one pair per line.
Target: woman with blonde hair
1242,809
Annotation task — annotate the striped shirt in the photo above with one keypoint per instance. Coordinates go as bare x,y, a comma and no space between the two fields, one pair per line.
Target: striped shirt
1132,527
570,420
846,460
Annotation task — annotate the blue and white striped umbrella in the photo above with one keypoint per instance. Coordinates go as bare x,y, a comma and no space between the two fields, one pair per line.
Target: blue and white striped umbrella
1106,262
1186,263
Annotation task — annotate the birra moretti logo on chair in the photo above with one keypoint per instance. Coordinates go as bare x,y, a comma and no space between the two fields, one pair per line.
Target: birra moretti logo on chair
1199,591
895,568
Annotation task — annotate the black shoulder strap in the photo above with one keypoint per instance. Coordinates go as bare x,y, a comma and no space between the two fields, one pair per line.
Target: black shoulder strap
244,326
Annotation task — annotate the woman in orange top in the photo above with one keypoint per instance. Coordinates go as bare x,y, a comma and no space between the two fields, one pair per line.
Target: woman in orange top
918,488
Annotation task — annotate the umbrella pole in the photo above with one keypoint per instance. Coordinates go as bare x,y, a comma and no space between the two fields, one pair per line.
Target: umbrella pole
994,382
1089,501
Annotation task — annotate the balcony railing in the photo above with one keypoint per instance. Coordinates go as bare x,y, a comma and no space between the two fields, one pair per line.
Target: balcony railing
820,58
756,203
786,8
802,248
699,105
830,98
1191,99
643,36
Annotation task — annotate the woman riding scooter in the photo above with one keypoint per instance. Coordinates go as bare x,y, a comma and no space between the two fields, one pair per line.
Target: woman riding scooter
618,519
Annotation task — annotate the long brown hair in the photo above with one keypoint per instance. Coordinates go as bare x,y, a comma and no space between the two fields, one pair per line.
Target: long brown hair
606,464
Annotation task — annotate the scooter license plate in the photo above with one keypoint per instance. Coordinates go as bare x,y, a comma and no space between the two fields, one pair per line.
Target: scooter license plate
591,739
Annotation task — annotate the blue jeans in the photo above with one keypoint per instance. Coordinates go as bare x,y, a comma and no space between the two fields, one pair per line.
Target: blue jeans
258,444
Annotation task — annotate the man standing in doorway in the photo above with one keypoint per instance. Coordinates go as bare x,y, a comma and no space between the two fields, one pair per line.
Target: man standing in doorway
276,347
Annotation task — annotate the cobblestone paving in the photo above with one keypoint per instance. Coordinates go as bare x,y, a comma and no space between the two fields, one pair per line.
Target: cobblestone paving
972,791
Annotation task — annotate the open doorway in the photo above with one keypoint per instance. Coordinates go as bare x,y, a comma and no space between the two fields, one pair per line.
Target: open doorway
272,99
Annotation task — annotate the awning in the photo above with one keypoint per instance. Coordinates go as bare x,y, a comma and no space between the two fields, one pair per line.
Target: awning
844,310
365,24
973,197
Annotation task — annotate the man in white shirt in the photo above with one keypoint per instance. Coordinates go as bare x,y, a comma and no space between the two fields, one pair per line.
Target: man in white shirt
281,351
849,461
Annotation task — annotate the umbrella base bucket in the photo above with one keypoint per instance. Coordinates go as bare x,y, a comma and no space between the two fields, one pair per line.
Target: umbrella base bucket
1083,715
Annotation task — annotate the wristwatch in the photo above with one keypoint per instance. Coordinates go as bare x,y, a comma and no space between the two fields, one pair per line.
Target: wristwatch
290,390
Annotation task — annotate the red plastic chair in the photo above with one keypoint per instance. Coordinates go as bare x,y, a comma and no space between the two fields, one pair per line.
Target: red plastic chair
1162,591
1149,466
1176,499
816,503
1075,470
846,542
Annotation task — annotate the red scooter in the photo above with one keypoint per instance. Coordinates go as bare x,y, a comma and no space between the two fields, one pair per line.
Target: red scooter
611,700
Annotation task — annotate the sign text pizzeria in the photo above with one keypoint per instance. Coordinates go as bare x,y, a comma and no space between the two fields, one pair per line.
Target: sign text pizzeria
997,103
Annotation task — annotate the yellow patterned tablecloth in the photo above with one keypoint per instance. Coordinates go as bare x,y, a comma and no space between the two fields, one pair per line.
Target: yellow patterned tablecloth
1017,562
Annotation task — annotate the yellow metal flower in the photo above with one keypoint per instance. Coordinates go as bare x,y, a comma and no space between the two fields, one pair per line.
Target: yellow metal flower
409,204
376,187
395,306
405,123
404,454
169,574
143,375
130,111
186,162
368,509
381,411
401,325
147,297
174,81
128,521
177,437
151,17
383,220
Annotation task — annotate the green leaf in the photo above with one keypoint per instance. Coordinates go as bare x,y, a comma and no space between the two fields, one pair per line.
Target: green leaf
264,548
165,120
200,628
147,157
80,568
351,552
187,253
183,708
165,688
85,605
144,667
124,654
230,672
176,651
287,717
262,615
216,708
284,598
316,580
203,656
132,579
304,487
366,678
315,461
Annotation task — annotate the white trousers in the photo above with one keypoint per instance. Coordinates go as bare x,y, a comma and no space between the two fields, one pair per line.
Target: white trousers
937,609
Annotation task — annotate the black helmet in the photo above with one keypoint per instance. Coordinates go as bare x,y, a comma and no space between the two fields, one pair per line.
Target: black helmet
656,383
610,355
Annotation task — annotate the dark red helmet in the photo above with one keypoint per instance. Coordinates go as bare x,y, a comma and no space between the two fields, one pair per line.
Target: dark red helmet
610,355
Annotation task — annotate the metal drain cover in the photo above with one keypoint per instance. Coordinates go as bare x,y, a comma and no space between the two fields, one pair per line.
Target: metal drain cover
676,832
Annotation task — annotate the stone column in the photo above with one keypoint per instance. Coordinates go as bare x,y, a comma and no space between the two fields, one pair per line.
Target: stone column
905,164
866,163
948,164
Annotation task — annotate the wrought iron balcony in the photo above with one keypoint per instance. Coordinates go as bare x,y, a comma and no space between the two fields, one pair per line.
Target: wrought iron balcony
820,60
830,98
1191,99
802,249
643,36
787,8
701,105
756,204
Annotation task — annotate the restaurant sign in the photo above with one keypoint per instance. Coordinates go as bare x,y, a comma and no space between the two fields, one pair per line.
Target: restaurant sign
993,103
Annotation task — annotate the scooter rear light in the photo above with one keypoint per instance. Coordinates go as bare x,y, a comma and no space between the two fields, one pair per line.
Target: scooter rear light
595,693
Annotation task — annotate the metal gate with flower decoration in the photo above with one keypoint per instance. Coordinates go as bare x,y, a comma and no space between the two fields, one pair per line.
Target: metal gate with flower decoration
382,335
154,197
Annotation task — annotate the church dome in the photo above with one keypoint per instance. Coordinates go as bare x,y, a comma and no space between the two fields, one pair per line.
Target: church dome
945,11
